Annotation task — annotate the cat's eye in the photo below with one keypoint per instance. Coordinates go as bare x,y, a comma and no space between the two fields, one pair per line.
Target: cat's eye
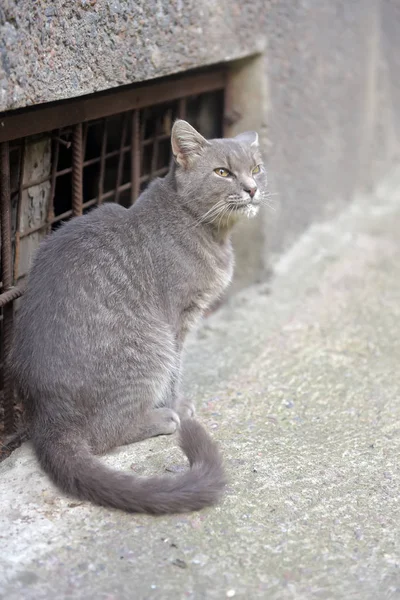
256,170
222,172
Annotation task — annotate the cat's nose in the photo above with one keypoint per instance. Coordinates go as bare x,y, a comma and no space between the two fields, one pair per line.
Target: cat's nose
252,192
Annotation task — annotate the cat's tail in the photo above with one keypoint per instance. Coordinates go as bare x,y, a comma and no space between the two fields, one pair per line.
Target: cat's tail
78,472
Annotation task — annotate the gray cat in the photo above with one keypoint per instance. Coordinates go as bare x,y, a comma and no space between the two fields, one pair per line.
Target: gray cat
109,301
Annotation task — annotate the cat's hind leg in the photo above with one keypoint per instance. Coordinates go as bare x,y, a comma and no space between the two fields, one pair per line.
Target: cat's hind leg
131,425
158,421
135,410
174,398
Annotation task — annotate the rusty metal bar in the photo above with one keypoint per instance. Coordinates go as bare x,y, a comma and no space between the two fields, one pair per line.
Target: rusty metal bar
135,155
77,171
12,294
85,128
157,173
6,251
122,188
121,156
65,215
53,182
60,140
161,138
67,170
7,281
20,123
154,156
88,204
19,208
38,181
182,108
97,159
28,232
102,162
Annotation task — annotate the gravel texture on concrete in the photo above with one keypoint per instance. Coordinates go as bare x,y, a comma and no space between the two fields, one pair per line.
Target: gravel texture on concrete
299,382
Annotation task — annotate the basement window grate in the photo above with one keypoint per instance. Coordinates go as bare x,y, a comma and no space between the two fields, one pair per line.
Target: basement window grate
59,161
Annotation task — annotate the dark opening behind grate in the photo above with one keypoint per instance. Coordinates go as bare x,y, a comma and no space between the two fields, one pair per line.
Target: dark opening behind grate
51,176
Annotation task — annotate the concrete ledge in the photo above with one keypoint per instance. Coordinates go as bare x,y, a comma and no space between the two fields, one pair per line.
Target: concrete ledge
65,50
300,384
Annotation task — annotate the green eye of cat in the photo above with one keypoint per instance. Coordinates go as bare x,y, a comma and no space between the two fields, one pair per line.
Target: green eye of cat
222,172
256,170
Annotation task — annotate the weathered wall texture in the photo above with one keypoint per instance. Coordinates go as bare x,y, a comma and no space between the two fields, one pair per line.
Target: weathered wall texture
54,49
334,87
329,109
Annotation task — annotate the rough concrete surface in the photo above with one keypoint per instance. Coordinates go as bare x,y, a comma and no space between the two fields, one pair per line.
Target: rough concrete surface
299,382
334,120
51,50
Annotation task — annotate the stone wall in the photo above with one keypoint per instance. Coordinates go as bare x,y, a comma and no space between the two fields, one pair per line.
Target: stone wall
56,49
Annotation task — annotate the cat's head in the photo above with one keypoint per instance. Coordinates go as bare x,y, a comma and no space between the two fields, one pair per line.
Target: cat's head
220,179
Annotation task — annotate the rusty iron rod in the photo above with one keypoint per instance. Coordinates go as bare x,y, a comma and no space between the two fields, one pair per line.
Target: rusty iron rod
102,161
161,138
121,156
77,171
7,281
135,156
19,209
154,156
11,295
182,108
6,257
67,170
60,140
53,182
85,127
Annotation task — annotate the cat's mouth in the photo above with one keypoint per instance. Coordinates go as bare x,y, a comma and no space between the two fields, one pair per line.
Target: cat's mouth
249,209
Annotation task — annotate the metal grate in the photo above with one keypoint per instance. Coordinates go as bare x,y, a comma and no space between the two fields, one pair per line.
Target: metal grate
48,176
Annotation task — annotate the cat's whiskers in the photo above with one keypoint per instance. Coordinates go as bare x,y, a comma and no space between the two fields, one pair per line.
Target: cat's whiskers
223,213
211,215
213,211
264,200
231,212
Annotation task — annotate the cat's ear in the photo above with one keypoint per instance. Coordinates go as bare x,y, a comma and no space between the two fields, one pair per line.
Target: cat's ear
186,142
248,137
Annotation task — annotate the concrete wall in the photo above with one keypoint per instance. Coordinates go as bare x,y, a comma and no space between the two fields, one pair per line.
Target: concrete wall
323,88
333,74
56,49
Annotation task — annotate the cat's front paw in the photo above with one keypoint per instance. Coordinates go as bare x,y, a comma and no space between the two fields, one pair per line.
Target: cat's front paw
167,420
187,410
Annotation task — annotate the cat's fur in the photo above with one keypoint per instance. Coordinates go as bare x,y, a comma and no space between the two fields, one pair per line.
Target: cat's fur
99,334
